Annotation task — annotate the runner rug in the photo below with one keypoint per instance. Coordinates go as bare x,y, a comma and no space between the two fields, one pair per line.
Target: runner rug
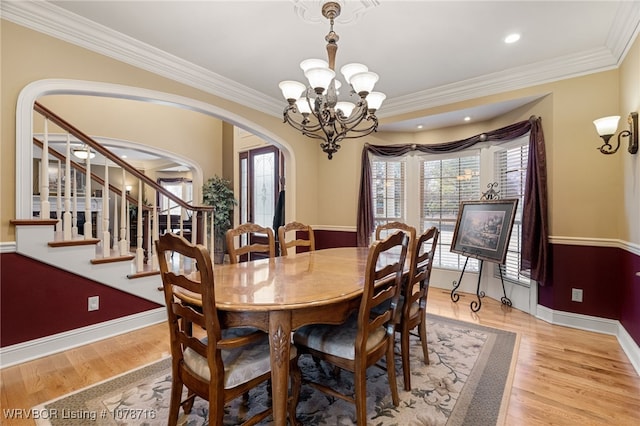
467,382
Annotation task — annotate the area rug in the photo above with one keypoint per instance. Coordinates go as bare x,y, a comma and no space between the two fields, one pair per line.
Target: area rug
467,382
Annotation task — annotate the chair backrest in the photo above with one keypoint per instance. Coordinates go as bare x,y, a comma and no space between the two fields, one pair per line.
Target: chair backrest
310,242
197,284
421,264
387,229
383,278
235,251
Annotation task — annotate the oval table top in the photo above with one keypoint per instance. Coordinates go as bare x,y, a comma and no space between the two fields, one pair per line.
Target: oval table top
297,280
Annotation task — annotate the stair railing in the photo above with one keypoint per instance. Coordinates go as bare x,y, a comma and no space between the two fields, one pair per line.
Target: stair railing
147,230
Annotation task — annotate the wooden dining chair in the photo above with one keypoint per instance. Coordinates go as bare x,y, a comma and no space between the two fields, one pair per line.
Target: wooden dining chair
365,338
226,363
309,242
413,303
388,228
249,230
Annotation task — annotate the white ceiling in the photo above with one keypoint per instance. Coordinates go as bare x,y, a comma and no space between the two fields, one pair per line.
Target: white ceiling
427,53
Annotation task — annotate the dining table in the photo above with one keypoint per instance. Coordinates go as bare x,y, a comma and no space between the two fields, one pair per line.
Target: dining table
281,294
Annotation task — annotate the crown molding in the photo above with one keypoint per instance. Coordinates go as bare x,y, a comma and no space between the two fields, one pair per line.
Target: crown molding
51,20
56,22
511,79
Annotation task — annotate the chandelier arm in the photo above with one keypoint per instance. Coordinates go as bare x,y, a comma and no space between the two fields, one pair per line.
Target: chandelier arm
295,124
306,130
354,120
363,131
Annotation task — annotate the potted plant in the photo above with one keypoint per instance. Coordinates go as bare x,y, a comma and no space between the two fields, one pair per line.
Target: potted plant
217,192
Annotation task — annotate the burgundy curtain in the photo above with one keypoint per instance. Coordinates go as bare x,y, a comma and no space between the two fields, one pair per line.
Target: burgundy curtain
535,226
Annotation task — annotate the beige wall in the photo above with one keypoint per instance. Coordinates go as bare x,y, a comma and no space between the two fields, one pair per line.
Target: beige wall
181,132
630,101
591,195
585,194
29,56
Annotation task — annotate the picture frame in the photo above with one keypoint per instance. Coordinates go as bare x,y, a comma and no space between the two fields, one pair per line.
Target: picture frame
483,229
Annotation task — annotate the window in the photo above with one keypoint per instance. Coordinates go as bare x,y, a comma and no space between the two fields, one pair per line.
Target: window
426,190
388,191
443,185
181,188
510,171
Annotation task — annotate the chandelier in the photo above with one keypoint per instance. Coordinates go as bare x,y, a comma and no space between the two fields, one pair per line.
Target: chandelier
315,110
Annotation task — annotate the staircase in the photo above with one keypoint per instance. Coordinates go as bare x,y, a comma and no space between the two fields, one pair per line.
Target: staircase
91,251
37,239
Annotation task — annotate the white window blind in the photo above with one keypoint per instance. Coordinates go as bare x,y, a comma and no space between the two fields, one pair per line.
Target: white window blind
388,186
443,185
511,170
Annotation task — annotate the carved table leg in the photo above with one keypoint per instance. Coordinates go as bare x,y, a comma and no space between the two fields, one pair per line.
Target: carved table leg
279,343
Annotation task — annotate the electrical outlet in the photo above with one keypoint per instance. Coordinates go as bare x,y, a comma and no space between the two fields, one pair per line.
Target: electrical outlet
576,295
94,303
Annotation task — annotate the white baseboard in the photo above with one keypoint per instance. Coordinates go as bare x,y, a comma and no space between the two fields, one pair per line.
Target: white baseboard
595,324
22,352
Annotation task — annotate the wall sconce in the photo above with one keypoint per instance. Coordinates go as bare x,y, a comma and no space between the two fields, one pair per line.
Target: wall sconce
128,189
607,126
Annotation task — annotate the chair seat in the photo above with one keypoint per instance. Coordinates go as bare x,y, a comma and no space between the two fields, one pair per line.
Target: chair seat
240,364
336,340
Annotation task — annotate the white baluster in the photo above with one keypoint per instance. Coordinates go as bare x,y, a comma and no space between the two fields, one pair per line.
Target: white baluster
45,207
194,226
123,218
154,235
116,245
139,249
66,216
74,219
106,235
88,228
59,200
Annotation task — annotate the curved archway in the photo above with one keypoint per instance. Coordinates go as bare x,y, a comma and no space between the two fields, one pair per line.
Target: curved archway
37,89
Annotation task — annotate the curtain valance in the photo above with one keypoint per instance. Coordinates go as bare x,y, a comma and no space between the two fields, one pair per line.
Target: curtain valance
535,228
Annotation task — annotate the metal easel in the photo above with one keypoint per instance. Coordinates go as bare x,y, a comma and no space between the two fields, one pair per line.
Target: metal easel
490,194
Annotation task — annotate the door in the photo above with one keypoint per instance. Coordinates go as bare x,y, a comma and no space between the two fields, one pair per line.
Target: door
260,171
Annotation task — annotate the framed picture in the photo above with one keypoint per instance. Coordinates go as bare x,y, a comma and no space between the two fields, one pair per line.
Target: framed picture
483,229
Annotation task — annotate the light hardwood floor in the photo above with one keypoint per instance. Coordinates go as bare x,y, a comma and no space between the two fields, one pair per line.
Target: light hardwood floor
563,376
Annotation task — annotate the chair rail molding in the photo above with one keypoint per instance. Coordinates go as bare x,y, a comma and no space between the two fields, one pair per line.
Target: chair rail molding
597,242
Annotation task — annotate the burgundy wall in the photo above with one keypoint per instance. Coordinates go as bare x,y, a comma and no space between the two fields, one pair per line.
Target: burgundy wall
607,277
596,270
332,239
630,299
37,300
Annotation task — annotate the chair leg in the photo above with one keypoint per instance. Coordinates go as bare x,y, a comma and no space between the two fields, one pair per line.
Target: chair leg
404,352
422,329
187,404
360,378
391,372
174,407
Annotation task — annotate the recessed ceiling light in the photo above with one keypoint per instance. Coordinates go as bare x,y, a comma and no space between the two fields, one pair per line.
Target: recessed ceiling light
123,156
467,118
512,38
420,126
